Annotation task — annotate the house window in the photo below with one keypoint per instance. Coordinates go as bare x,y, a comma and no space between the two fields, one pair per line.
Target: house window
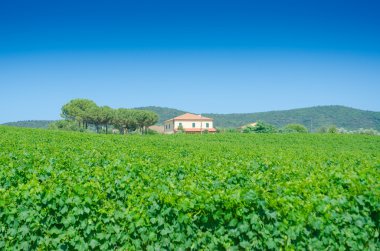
193,125
207,125
180,124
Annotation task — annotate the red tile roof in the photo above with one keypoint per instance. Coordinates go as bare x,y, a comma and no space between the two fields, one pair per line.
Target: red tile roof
190,116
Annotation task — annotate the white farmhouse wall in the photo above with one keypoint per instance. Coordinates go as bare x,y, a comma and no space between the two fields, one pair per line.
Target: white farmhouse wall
189,124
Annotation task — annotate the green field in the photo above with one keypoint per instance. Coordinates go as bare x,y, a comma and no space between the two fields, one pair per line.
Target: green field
63,190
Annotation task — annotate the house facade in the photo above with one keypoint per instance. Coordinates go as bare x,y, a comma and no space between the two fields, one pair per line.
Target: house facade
189,123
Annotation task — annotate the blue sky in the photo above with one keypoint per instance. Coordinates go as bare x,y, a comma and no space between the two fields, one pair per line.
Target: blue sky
199,56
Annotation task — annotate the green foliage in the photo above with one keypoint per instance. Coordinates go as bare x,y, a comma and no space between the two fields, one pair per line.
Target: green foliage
227,130
181,129
86,112
260,127
78,110
66,190
145,118
130,119
151,132
366,131
332,129
124,120
322,129
98,116
294,128
65,125
329,129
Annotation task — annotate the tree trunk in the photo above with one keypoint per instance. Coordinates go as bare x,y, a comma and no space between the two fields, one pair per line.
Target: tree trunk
106,129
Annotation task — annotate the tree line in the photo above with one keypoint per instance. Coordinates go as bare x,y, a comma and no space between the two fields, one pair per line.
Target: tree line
86,112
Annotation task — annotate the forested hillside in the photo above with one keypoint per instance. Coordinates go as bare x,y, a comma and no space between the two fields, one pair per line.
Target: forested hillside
313,117
163,112
31,123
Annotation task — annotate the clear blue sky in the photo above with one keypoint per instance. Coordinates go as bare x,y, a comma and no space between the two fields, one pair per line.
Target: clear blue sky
199,56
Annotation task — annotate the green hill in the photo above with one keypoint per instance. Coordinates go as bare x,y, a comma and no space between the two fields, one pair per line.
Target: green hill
313,117
30,123
163,112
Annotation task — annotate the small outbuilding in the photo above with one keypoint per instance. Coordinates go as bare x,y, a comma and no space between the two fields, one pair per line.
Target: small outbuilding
247,125
157,128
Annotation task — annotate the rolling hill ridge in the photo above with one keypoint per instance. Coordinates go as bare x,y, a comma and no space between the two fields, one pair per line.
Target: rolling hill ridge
312,117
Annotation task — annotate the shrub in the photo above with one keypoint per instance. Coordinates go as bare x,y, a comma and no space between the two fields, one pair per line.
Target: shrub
260,127
322,129
227,130
295,128
151,132
180,129
332,129
329,129
367,131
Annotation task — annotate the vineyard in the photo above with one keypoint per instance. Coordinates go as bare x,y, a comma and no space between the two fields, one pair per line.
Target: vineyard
76,191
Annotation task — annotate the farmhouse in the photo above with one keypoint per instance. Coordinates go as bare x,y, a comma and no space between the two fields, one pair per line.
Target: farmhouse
189,123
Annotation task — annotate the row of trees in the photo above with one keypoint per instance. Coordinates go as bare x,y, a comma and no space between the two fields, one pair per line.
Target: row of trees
86,112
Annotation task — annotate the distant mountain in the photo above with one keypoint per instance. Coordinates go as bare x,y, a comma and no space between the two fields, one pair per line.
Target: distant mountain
313,117
30,123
